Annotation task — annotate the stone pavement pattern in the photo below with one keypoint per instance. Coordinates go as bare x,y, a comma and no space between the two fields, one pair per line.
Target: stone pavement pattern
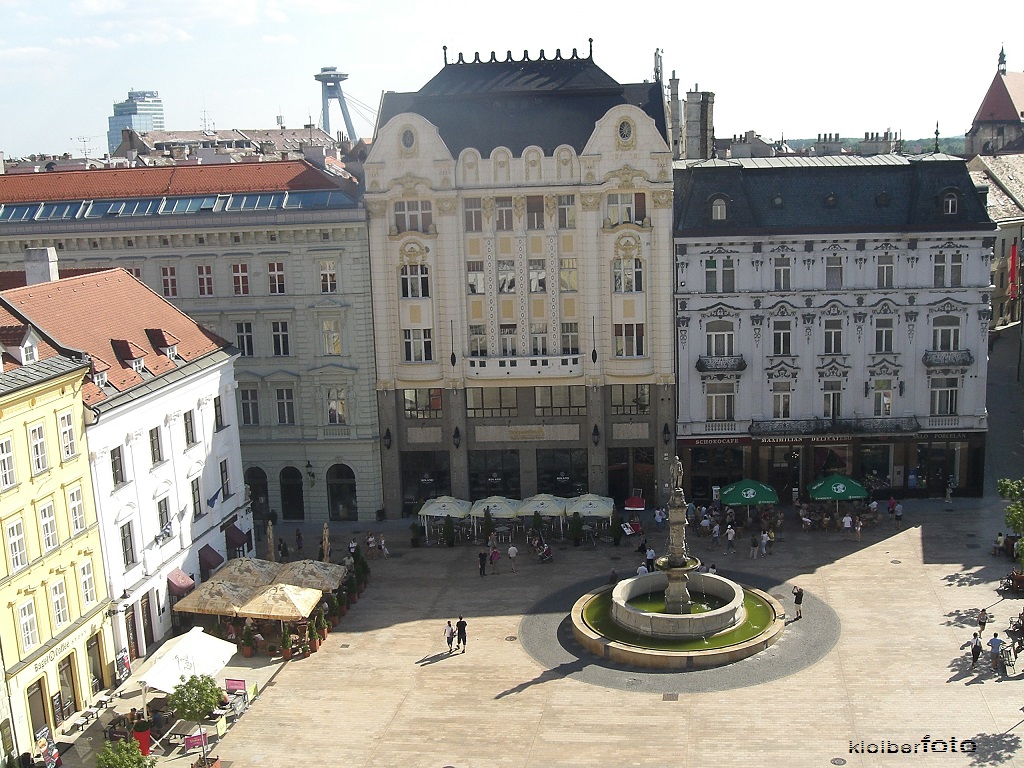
905,600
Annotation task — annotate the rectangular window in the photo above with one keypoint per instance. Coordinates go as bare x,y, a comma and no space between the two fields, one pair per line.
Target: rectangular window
720,342
782,338
285,405
417,345
423,403
328,276
833,407
570,338
330,335
631,399
783,274
218,413
956,270
627,275
197,499
240,279
8,479
568,276
885,270
474,277
719,276
16,545
279,337
204,279
249,399
833,337
190,428
535,211
883,335
59,601
567,211
163,513
487,402
415,280
169,282
538,276
156,451
478,341
629,339
88,584
66,422
37,448
506,276
117,466
721,401
336,406
939,271
507,335
243,339
48,527
127,545
27,622
883,397
474,214
833,273
782,399
503,214
275,277
76,508
225,480
946,334
943,396
413,216
539,338
560,401
626,208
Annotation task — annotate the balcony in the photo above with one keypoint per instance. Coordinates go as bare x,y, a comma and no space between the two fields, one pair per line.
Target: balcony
943,422
723,363
717,427
542,366
948,357
865,426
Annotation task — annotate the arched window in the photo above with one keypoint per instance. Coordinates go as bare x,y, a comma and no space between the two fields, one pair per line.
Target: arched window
719,211
721,339
950,202
627,275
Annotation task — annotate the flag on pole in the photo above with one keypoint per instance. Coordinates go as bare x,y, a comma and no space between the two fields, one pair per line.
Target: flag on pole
212,501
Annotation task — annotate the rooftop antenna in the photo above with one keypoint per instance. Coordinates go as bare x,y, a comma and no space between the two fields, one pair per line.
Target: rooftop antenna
936,137
85,141
330,80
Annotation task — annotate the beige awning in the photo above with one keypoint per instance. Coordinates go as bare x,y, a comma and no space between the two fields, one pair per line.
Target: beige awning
312,574
248,570
219,598
282,602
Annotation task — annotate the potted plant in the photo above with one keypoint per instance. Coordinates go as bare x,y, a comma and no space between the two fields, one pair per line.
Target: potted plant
616,525
449,531
576,529
123,754
352,589
286,644
321,624
142,733
333,610
248,641
342,602
305,649
537,523
314,638
414,534
194,699
488,524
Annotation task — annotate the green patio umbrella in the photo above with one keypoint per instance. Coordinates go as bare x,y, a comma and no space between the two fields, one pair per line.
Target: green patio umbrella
837,488
748,493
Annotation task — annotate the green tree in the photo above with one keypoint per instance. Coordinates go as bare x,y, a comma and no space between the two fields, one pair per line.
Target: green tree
123,754
1013,491
194,699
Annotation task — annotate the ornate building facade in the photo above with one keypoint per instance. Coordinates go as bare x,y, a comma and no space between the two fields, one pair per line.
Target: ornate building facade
832,316
520,221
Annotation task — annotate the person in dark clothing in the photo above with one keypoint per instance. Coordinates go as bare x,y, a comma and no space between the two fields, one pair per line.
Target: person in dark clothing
798,601
482,557
460,634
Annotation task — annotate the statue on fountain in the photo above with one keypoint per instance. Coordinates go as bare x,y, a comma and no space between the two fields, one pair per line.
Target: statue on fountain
677,550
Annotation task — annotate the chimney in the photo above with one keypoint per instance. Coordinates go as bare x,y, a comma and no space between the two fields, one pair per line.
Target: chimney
41,266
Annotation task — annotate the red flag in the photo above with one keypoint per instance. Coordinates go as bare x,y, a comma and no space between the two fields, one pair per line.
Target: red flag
1013,270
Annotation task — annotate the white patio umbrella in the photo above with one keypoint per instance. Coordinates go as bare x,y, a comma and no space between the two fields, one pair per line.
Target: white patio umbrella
591,505
443,506
500,507
547,505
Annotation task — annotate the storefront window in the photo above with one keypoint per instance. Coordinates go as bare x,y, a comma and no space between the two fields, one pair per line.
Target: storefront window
425,475
876,466
562,471
832,460
494,473
711,466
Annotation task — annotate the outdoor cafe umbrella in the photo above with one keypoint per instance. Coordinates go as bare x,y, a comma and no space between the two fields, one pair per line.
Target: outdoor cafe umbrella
500,507
547,505
836,488
248,570
312,574
281,602
443,506
591,505
748,493
218,598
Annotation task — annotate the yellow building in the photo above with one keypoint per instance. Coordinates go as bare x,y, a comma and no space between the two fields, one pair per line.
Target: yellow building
55,635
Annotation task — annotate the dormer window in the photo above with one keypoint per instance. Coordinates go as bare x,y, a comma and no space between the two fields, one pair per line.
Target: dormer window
29,353
171,351
719,210
100,378
138,364
950,203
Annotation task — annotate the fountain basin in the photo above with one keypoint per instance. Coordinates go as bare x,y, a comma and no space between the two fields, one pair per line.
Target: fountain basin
678,626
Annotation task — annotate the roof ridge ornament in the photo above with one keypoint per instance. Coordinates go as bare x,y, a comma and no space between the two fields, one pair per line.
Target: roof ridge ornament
936,137
591,41
445,49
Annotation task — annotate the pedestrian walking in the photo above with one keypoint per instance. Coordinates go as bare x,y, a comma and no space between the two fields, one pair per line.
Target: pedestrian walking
383,547
898,515
858,524
715,531
983,619
659,518
713,570
847,525
282,550
994,645
730,540
798,602
298,542
495,557
764,542
460,634
513,552
892,506
771,541
482,557
754,541
371,546
949,491
975,649
642,570
449,635
650,559
353,546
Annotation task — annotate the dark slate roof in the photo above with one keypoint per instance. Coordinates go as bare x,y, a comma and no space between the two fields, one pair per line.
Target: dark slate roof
515,104
42,370
882,193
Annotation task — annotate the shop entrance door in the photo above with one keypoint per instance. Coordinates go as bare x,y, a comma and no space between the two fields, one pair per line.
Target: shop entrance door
68,689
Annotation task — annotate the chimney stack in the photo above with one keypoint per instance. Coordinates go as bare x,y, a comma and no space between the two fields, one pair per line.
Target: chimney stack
41,266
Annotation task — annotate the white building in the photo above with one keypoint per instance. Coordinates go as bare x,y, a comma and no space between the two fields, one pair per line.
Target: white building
832,317
162,436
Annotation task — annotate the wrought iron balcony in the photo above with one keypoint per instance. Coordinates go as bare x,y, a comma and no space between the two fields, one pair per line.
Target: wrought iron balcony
934,357
707,363
865,426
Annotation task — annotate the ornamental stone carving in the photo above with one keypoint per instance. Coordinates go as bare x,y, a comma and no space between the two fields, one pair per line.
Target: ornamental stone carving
519,206
376,208
625,176
662,199
410,184
550,206
488,207
590,201
446,206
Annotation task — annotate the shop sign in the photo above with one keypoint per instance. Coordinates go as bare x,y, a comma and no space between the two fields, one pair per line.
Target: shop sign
949,435
123,664
715,441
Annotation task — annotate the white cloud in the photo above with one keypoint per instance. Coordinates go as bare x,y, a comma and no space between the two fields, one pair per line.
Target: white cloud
278,39
90,41
96,7
23,52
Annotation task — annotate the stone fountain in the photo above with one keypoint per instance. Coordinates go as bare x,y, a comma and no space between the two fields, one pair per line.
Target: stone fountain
677,564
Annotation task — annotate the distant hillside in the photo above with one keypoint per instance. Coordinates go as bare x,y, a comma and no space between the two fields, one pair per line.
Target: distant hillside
953,145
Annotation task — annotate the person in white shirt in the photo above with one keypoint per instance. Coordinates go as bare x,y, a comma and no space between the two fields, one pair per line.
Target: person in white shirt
512,553
642,569
847,525
730,540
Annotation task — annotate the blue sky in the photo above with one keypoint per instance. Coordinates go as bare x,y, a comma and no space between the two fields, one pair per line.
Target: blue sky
804,70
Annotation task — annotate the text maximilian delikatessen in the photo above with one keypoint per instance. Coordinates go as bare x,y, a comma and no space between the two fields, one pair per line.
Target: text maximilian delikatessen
923,745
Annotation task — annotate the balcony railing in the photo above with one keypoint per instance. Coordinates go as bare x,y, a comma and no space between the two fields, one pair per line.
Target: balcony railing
934,357
865,426
522,367
707,363
719,427
943,422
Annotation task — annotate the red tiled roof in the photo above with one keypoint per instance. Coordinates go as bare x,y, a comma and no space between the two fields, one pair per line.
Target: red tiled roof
87,313
164,181
16,278
1004,101
12,334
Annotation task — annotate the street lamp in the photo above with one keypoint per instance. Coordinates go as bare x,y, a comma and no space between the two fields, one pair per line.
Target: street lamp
596,435
456,438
